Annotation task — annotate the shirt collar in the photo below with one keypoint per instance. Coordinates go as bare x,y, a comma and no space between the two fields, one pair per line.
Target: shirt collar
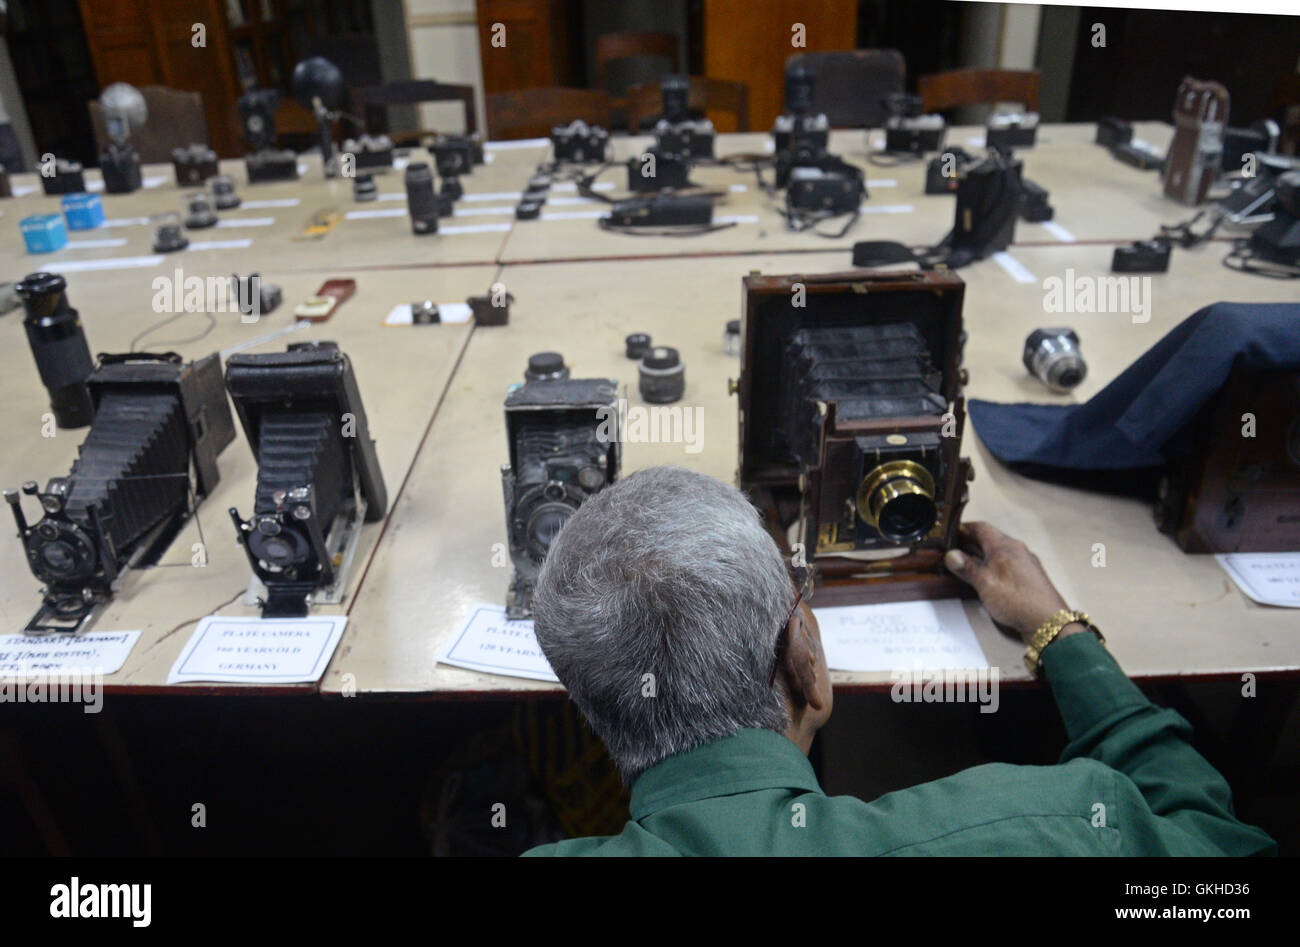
746,761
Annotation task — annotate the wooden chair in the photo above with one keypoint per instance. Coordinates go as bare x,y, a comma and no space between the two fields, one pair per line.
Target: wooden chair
372,104
849,86
532,113
958,87
645,101
612,46
176,119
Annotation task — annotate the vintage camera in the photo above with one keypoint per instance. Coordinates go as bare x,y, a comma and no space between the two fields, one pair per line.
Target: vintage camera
1196,152
266,163
370,152
453,155
194,165
671,172
1112,131
150,456
851,416
800,138
564,441
834,188
1007,130
579,143
1278,239
1226,493
66,177
124,111
318,477
988,203
677,133
1258,138
1146,256
907,131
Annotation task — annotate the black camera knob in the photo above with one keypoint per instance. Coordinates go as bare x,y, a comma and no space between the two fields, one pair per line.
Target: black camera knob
637,343
546,365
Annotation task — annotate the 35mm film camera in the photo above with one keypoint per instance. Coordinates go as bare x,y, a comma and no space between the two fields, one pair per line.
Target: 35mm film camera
564,447
150,456
851,417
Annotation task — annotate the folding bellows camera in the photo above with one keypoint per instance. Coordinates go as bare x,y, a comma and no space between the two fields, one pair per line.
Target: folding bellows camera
157,424
564,447
851,416
318,477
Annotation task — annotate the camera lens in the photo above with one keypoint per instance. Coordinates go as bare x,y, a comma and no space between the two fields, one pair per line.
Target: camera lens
1053,357
59,347
58,557
897,498
420,199
544,525
662,376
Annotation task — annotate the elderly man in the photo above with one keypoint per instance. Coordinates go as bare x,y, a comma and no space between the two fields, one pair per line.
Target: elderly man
669,614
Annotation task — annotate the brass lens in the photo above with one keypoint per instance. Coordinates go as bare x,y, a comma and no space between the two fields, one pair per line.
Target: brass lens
897,499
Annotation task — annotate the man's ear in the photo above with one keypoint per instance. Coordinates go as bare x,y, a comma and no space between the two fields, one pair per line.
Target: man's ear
802,666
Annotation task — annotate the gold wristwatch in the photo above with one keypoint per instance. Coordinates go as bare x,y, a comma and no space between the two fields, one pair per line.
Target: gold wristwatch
1047,633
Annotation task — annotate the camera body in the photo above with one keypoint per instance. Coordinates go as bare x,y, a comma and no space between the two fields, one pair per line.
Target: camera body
158,423
370,152
194,165
318,476
66,177
907,131
453,156
565,446
851,417
1007,130
579,143
1227,493
671,172
834,188
988,203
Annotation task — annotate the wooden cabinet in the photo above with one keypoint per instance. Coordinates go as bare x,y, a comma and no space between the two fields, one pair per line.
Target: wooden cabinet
537,48
750,42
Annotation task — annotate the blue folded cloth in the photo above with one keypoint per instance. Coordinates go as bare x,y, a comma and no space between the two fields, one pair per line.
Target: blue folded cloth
1135,421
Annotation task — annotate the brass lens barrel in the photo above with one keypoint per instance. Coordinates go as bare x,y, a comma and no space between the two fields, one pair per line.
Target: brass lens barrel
897,499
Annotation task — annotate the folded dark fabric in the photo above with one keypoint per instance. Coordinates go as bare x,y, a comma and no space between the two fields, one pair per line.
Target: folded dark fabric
1136,420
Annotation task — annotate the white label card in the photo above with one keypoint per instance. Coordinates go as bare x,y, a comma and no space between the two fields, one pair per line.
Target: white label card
899,636
101,652
1270,578
486,641
259,650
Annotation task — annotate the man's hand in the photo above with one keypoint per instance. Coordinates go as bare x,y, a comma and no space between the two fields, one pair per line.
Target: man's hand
1008,577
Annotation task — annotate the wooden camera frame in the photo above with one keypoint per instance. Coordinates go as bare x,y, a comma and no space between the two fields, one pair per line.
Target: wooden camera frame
792,497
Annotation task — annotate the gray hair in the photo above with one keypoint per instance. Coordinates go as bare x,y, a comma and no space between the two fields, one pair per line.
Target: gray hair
667,573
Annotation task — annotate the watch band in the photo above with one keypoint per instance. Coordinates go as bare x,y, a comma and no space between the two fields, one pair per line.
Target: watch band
1047,633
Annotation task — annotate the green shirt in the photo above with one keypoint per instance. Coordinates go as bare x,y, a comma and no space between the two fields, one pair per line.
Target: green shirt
1128,783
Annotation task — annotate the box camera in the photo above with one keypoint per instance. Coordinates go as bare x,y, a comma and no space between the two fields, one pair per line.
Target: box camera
452,156
150,456
579,143
851,417
988,203
1227,493
318,476
564,441
1196,152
